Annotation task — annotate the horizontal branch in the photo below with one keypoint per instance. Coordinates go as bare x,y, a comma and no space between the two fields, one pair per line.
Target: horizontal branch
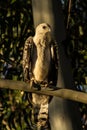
63,93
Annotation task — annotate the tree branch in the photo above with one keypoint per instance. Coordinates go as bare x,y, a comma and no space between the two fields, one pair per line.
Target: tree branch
61,92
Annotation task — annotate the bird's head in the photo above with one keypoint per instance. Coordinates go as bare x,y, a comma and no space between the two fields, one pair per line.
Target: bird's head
43,28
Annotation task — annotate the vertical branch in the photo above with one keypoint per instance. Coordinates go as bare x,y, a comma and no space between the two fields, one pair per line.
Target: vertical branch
69,9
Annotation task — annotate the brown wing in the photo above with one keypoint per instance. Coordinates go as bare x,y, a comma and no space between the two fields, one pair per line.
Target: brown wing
27,56
53,73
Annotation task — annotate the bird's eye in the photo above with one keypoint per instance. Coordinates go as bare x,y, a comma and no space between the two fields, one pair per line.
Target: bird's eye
44,27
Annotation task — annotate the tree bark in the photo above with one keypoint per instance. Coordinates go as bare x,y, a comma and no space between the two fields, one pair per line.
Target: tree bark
64,114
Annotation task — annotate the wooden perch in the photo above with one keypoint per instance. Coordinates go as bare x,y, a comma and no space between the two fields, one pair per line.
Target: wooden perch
61,92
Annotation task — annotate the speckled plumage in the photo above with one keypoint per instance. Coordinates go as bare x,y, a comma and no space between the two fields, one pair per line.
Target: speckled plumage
40,65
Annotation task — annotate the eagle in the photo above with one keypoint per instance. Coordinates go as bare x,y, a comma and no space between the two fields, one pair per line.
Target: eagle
40,67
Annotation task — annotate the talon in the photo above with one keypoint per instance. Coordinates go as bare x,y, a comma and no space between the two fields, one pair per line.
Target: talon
31,83
35,84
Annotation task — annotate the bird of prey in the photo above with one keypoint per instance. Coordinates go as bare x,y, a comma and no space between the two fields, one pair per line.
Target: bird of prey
40,66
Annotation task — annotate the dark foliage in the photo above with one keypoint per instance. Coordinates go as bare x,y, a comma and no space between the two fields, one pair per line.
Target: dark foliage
76,42
16,24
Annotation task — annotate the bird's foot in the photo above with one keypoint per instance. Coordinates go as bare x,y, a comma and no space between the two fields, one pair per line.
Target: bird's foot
35,84
43,126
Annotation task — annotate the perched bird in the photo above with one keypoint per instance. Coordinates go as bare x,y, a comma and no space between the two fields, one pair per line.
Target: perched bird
40,66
